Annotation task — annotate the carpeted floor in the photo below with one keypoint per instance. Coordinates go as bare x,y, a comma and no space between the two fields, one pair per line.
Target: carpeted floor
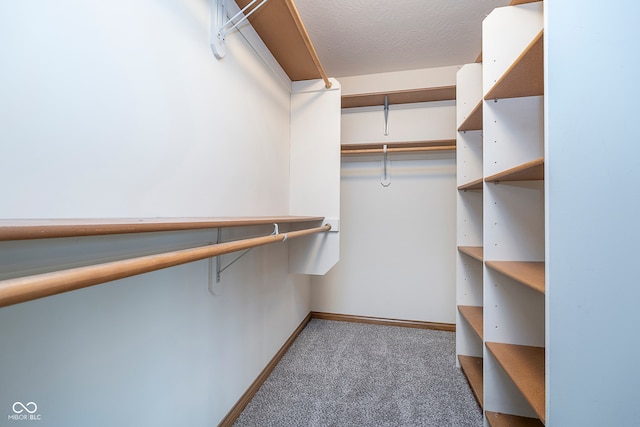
352,374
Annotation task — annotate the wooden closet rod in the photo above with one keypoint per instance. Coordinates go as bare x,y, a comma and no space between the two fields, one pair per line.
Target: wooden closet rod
22,289
307,41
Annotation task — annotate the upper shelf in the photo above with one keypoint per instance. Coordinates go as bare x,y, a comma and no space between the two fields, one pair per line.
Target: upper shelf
473,120
525,77
399,147
24,229
279,26
525,366
526,272
529,171
430,94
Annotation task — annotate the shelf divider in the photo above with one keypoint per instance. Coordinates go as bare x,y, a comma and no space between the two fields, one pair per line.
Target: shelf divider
525,77
525,365
497,419
472,369
473,315
476,184
473,120
529,273
529,171
475,252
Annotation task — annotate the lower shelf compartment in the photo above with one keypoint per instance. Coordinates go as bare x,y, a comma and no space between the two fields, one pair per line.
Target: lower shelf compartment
472,368
525,365
497,419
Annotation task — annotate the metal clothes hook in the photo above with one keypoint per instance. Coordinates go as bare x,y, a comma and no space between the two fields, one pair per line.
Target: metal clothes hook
385,182
386,115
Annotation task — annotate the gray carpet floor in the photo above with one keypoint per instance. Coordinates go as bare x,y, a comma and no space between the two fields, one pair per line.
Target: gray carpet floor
352,374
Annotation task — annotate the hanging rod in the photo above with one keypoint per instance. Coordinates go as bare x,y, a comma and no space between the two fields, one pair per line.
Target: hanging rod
22,289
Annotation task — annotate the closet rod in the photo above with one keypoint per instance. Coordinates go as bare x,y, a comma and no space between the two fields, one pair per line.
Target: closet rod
398,149
307,41
22,289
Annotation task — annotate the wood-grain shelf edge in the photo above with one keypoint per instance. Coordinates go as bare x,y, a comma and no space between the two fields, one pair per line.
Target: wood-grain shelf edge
525,77
475,252
525,366
529,171
529,273
496,419
474,316
473,120
472,369
25,229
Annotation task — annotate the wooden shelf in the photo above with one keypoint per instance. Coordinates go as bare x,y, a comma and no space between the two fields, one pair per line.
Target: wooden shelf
475,252
525,366
530,171
529,273
278,24
497,419
472,369
51,228
399,147
473,185
473,120
525,77
430,94
473,315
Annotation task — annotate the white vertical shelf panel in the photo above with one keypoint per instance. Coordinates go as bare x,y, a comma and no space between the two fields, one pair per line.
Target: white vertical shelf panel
513,211
515,313
513,132
500,394
315,173
469,143
469,79
514,221
469,203
469,156
470,218
522,23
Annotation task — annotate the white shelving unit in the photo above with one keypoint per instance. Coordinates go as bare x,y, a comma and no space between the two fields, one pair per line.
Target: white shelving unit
501,187
469,293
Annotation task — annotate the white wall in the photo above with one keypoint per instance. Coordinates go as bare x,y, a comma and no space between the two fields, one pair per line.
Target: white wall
397,244
592,210
119,109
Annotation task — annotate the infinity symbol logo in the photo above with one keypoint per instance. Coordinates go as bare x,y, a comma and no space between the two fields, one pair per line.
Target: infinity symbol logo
30,407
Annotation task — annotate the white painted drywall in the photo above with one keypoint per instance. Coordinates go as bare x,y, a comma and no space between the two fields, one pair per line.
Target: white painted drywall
315,172
592,211
397,245
119,109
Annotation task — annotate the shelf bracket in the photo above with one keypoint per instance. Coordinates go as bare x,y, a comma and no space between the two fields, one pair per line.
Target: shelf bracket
386,181
386,115
220,268
218,26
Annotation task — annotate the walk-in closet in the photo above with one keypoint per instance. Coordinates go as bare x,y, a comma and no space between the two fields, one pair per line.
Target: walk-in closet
302,213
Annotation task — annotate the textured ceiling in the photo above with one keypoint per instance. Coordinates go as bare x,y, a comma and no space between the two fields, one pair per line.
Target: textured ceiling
355,37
